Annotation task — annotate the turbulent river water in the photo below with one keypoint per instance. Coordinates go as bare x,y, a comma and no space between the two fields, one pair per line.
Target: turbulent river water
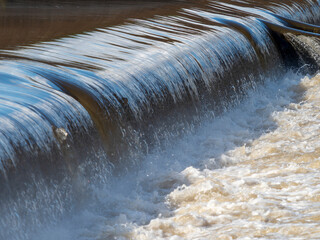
251,173
267,182
159,120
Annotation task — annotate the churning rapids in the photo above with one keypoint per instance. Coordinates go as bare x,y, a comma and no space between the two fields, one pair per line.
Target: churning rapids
160,120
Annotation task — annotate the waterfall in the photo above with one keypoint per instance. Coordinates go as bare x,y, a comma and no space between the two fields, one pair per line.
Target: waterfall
78,108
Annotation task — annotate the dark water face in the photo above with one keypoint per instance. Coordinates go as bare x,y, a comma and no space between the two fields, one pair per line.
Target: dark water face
87,86
27,22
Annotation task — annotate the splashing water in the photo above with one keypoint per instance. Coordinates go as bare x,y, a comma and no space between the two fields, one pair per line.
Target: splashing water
250,173
134,131
268,186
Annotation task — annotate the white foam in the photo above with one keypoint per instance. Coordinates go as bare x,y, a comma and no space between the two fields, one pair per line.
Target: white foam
270,189
252,172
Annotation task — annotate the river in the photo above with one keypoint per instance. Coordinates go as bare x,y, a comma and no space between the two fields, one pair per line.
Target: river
185,120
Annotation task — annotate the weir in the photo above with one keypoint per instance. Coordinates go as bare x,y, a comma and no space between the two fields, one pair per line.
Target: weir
77,108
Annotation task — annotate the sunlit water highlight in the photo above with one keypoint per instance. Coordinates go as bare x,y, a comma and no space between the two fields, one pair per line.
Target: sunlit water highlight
250,173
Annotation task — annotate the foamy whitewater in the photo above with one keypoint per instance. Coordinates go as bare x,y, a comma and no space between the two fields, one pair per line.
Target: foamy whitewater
252,172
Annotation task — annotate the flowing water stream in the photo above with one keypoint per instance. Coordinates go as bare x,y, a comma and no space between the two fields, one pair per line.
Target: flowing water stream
186,120
268,186
250,173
